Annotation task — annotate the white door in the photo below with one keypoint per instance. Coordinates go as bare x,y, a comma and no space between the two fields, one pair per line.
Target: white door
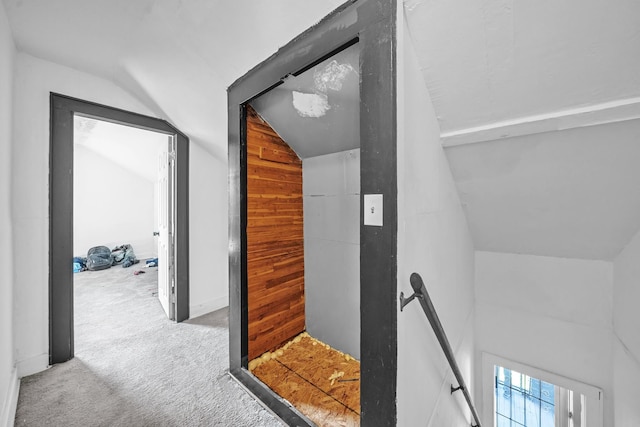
166,276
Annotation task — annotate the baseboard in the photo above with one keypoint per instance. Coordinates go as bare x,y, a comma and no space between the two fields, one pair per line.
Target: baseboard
10,404
33,365
208,306
145,256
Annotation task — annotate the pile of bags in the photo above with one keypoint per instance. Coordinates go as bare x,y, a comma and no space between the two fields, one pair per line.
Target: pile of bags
101,257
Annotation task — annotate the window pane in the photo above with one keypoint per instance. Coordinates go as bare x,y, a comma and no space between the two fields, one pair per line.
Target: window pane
532,411
523,401
503,421
503,400
547,415
547,392
517,406
535,388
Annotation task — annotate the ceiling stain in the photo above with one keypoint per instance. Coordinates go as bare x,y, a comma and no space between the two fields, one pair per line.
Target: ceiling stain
310,104
332,75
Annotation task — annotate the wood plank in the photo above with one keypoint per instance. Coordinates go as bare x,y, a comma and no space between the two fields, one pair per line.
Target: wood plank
275,238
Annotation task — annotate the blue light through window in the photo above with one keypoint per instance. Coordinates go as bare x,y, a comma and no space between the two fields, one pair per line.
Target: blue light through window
522,400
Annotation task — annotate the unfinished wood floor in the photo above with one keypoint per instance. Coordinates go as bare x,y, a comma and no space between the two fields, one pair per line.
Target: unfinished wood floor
321,382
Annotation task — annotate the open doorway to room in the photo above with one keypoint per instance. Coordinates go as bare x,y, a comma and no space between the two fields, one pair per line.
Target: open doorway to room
122,210
113,224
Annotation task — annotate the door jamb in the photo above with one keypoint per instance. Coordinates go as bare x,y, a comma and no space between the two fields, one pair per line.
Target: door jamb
62,110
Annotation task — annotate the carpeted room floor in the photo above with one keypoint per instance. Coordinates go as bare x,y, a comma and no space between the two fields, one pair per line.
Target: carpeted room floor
134,367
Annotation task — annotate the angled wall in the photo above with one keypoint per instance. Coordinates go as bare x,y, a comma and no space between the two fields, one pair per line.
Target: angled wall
434,241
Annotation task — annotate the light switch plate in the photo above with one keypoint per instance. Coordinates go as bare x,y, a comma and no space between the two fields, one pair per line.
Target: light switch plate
373,209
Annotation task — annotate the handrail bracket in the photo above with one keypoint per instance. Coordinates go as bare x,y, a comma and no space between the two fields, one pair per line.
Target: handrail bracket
404,301
453,390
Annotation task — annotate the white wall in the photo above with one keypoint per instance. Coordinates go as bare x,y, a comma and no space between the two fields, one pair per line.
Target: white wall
34,80
112,205
433,240
8,377
209,233
626,345
553,314
331,189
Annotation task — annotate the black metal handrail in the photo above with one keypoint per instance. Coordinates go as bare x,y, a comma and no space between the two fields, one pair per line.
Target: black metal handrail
420,292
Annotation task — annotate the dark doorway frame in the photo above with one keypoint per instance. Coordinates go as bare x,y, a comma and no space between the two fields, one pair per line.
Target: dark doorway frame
63,109
373,24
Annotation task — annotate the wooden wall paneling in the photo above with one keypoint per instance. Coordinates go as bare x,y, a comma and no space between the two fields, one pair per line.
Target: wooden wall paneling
275,240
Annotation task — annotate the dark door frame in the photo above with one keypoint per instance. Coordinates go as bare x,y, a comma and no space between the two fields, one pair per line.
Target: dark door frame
372,23
63,109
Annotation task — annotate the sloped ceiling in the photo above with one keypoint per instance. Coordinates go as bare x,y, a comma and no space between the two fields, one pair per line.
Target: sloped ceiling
528,94
133,149
570,194
493,60
538,105
318,111
177,56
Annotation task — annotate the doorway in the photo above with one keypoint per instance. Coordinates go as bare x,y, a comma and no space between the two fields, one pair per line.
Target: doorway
122,207
303,239
371,25
61,221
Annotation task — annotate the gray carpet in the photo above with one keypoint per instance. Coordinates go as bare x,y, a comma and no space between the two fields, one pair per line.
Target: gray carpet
134,367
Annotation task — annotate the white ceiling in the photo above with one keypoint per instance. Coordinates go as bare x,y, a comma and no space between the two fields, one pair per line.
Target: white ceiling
571,194
133,149
562,79
489,61
177,56
538,71
318,111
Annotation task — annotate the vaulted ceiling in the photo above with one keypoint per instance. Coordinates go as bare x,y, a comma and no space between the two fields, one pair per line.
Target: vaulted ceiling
538,101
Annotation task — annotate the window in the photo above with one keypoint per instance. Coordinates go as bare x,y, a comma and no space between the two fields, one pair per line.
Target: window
522,400
516,395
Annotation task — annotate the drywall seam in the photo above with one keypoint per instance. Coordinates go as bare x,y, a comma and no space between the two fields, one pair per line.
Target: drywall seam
626,349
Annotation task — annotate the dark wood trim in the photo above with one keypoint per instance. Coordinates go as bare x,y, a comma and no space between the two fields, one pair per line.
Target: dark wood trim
275,403
182,226
378,245
373,24
63,108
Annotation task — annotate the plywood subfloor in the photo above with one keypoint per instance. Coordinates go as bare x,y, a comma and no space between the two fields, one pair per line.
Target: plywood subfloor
321,382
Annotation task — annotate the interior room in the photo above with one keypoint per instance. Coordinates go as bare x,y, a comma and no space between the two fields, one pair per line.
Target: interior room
116,209
116,184
505,149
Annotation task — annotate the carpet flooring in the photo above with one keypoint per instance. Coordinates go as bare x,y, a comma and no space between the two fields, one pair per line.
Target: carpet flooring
134,367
